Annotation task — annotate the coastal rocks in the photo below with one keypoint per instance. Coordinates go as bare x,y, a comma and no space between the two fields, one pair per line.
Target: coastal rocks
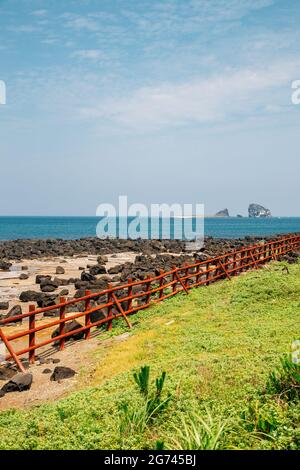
97,269
60,270
115,269
19,383
61,373
4,305
291,257
29,296
7,372
69,327
45,300
87,277
64,292
97,316
4,265
23,277
14,312
256,210
223,213
32,249
48,285
102,259
41,278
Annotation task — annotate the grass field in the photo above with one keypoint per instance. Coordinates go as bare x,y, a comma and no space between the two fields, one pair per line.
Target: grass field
218,347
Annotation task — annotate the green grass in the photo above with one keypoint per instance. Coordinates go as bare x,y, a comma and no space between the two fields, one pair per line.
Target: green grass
218,347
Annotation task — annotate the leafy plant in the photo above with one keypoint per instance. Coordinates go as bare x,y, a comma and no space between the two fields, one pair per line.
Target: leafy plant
259,419
284,381
142,379
159,445
136,417
197,433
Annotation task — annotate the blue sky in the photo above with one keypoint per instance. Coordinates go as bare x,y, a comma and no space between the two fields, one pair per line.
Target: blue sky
164,101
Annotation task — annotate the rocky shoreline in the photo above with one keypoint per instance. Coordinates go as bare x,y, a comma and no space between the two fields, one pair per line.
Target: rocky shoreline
39,272
34,249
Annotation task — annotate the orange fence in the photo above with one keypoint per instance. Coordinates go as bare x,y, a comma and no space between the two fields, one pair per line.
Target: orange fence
123,300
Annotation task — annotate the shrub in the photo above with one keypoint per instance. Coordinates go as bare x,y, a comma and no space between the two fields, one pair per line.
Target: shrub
197,433
284,381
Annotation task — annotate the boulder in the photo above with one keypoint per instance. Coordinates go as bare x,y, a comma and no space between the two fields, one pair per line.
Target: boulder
15,311
116,269
5,265
60,270
87,277
19,383
42,277
97,316
48,288
7,373
46,284
62,282
4,305
61,373
23,277
97,269
70,326
29,296
44,300
64,292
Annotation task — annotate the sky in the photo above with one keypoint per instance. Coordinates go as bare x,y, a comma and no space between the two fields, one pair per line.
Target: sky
165,101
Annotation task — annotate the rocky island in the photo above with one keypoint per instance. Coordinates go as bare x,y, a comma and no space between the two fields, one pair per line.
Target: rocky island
223,213
256,210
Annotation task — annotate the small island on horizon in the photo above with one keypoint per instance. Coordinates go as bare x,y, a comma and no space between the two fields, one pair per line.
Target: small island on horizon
254,211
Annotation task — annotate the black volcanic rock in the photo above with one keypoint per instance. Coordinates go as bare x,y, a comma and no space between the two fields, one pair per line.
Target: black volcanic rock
4,265
256,210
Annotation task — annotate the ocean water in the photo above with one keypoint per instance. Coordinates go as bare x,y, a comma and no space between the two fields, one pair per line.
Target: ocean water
12,228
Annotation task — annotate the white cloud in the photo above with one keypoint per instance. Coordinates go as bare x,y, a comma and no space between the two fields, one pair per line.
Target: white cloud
92,54
40,13
236,94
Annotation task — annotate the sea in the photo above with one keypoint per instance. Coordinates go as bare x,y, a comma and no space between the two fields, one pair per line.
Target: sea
14,228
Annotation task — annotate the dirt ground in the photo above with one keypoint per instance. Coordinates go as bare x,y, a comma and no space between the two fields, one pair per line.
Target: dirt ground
77,355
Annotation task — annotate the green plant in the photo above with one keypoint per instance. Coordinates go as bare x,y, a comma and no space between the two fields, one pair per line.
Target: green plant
284,381
197,433
142,380
159,445
260,420
137,416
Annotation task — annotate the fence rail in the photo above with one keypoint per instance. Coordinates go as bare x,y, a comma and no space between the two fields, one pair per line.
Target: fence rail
127,299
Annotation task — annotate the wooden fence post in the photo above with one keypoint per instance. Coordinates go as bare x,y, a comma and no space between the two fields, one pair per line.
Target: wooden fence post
161,283
62,312
129,294
31,335
109,309
87,306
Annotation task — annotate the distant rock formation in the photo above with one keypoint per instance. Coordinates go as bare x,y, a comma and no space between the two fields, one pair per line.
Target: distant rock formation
222,213
239,216
256,210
